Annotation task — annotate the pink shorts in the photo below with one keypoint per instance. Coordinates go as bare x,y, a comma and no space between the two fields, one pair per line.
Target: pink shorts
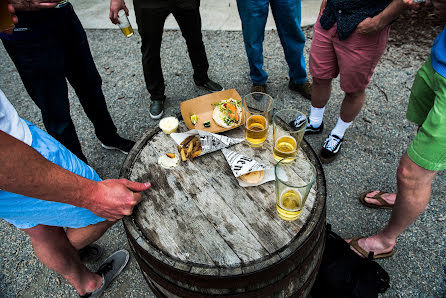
354,59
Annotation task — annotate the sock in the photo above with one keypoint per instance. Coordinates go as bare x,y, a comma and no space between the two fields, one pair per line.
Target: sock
340,128
316,116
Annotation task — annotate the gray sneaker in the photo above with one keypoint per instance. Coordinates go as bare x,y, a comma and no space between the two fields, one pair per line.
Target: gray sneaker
111,268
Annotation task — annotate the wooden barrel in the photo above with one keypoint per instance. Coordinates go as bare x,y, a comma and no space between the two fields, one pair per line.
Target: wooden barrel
197,233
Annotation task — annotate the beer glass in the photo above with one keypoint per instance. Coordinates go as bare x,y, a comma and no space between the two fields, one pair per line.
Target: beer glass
257,114
288,131
294,179
124,24
6,24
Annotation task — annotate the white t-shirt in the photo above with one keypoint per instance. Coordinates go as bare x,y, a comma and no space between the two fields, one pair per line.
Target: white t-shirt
11,123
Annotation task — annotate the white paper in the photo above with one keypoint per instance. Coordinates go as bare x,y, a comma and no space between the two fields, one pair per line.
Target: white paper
210,142
241,164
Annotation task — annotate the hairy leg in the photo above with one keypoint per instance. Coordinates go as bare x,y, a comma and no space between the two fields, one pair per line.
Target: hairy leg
321,92
55,251
414,188
81,237
352,105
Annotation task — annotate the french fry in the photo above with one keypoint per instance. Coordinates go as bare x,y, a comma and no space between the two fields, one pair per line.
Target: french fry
183,154
190,147
186,141
195,154
171,155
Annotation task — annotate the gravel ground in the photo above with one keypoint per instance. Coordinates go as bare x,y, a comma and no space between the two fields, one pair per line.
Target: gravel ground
369,157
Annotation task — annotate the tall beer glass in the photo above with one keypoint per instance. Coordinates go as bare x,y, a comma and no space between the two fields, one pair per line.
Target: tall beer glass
294,179
288,131
257,114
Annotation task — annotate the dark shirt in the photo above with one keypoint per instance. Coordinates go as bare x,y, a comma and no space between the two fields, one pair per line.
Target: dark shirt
172,4
349,13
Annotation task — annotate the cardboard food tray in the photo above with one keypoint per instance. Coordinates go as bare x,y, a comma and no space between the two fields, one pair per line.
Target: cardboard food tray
203,108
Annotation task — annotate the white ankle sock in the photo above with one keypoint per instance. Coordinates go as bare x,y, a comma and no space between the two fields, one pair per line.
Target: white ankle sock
316,116
340,128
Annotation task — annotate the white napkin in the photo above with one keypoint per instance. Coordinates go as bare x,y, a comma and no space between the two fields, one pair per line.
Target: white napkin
210,142
241,164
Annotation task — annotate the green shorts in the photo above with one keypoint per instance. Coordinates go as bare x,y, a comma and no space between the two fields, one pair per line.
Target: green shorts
427,108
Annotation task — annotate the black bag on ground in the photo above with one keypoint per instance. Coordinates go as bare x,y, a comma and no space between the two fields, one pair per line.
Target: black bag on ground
345,274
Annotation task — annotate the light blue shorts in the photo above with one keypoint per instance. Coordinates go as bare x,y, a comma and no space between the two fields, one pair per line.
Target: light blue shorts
25,212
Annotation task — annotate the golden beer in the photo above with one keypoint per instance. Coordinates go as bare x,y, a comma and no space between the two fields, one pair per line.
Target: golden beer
285,146
6,24
256,130
289,204
128,31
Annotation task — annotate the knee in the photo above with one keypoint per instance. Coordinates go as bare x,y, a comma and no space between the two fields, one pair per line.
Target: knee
42,232
321,82
407,175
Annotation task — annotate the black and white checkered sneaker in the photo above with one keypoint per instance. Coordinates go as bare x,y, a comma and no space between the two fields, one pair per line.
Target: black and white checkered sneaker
331,148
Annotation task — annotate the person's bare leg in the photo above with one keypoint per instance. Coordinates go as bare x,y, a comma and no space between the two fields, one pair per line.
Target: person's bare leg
321,92
55,251
352,105
414,189
81,237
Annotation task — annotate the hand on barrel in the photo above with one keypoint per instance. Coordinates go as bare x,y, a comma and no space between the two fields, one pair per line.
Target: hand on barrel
115,7
114,199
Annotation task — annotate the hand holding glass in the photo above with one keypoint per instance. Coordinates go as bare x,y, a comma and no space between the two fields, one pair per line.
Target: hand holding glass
124,24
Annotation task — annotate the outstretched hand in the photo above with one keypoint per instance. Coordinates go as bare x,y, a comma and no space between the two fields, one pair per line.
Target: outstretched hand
113,199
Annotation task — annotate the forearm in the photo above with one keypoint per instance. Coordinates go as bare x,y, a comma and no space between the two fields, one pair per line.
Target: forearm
391,12
24,171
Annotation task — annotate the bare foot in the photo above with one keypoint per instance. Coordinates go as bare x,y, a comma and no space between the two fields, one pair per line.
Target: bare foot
375,244
388,197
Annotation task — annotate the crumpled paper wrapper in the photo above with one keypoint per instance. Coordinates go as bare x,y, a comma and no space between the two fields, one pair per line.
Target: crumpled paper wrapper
241,164
210,142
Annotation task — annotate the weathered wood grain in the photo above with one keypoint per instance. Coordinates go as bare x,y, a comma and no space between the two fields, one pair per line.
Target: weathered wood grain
198,213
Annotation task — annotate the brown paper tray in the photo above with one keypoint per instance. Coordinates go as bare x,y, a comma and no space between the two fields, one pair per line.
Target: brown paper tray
203,108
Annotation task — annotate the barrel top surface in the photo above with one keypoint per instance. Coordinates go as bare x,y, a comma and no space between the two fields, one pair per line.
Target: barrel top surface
197,214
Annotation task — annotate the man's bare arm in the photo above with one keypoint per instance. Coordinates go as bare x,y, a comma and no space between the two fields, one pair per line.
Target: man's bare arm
24,171
380,21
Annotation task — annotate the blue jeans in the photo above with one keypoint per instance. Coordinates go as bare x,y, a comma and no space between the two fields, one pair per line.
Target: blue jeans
287,15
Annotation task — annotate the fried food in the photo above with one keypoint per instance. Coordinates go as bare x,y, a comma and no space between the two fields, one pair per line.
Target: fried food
171,155
190,148
253,177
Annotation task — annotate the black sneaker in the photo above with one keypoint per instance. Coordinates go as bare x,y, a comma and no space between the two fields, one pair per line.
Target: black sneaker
331,148
117,143
297,123
156,109
111,268
259,88
304,89
311,130
210,86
